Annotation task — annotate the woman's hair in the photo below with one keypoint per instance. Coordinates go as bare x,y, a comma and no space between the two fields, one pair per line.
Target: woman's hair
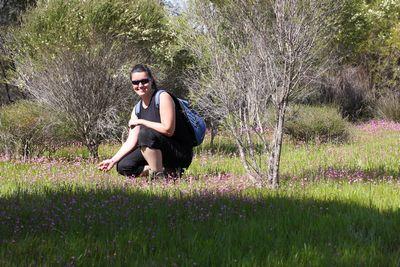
144,68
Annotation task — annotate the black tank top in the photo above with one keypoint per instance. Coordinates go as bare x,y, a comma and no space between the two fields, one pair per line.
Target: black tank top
182,132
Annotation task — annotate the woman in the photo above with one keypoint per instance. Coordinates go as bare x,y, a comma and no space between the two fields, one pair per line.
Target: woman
159,138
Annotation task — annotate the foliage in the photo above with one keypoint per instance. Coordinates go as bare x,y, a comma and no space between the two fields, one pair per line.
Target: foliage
338,202
28,130
246,74
25,128
5,65
311,123
89,88
137,27
388,107
11,9
365,26
368,40
56,25
349,89
353,27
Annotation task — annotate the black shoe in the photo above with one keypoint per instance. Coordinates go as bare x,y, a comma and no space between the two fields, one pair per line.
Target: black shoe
175,173
153,175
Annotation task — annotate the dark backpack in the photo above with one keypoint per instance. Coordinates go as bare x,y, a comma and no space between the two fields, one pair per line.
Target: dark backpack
193,118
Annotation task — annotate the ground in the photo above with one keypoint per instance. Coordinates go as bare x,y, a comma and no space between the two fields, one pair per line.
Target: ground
338,204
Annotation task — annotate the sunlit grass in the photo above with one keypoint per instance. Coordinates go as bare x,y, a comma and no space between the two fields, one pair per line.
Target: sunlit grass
338,205
377,151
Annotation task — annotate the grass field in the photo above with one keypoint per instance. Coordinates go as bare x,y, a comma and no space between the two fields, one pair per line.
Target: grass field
338,205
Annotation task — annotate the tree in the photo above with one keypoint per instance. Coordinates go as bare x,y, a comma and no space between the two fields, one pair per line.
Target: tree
368,41
90,89
74,56
9,13
259,53
226,85
4,66
11,9
300,34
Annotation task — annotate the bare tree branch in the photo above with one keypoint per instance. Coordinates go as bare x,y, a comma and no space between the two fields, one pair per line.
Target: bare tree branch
259,53
90,88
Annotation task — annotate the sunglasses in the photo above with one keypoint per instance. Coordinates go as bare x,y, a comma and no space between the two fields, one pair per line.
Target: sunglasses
143,81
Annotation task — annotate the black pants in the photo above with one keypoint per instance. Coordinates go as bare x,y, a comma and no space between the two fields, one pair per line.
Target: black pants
174,154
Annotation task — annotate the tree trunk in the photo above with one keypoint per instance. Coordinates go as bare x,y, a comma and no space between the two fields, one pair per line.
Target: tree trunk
93,147
254,177
26,151
5,83
274,159
214,130
8,93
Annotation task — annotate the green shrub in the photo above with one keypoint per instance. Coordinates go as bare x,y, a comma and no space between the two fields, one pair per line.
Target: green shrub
27,129
388,107
80,25
312,123
21,127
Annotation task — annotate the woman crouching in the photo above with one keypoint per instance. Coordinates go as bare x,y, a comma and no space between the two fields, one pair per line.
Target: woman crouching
159,140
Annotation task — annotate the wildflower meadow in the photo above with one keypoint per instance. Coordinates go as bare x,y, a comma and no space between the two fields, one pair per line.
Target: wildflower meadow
338,205
300,165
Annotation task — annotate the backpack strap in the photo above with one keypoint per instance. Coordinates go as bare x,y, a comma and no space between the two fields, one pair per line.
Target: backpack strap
137,107
157,99
158,93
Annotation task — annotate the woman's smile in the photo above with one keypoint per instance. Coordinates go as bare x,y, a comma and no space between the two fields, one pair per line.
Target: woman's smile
140,83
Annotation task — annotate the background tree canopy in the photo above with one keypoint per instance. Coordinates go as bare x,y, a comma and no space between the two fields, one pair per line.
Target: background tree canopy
78,25
128,32
56,25
364,83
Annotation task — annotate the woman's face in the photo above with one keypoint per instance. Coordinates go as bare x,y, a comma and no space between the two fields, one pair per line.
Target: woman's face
141,83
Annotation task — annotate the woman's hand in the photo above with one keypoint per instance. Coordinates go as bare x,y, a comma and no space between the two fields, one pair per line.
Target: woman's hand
106,165
134,122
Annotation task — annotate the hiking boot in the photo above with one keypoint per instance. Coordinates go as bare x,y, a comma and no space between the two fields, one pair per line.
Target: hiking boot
175,173
154,175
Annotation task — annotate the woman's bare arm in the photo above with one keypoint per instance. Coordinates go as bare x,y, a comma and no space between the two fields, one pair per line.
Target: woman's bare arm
167,116
127,146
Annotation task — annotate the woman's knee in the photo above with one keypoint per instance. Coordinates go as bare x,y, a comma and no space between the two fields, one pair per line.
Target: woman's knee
129,167
148,137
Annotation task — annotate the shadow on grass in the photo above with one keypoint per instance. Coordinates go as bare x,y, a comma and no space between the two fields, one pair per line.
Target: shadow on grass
102,227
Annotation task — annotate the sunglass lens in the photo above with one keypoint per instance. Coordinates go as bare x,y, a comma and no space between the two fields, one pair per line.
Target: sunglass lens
144,81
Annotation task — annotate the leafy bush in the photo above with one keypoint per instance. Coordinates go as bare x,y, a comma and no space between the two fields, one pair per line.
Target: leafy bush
311,123
347,88
388,107
79,25
27,129
368,39
23,128
131,28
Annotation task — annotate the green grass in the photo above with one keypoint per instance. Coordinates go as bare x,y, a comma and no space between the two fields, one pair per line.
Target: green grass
339,205
378,154
108,223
